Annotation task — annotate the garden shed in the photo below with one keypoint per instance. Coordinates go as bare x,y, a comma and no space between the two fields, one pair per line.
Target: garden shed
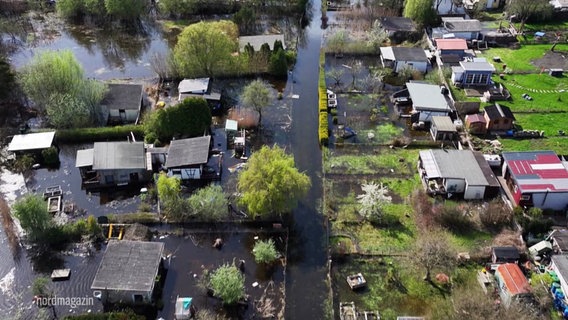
123,102
186,158
505,254
476,123
31,142
498,117
128,271
512,283
443,129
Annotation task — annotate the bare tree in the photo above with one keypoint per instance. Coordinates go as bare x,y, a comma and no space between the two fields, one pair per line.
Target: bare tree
355,67
523,9
433,251
336,74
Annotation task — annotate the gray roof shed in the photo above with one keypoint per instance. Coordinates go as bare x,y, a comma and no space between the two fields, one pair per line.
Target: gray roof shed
187,152
427,96
458,164
119,155
129,266
459,24
123,96
195,86
444,124
31,141
84,158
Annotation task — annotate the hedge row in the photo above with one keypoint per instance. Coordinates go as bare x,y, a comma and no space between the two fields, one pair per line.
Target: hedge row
99,134
107,316
323,130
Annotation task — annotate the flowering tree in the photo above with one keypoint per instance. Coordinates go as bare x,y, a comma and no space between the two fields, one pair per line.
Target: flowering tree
372,200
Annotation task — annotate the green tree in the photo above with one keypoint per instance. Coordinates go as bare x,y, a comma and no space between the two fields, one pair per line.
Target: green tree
228,283
271,183
178,8
265,251
50,156
190,118
257,95
337,42
59,73
126,9
377,36
278,64
7,79
245,18
40,286
169,189
205,48
209,203
65,111
420,11
31,211
70,8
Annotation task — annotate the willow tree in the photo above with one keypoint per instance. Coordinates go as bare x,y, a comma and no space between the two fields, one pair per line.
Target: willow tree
270,183
422,12
206,48
126,9
58,73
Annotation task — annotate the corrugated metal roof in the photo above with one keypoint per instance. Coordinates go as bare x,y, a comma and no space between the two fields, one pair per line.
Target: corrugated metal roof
537,171
514,279
119,155
129,266
443,124
84,158
257,41
187,152
477,66
31,141
458,164
427,97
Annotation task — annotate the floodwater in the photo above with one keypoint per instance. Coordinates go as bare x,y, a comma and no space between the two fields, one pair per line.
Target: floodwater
292,123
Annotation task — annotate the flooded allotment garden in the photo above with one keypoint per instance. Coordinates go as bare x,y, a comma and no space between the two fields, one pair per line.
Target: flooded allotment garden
277,291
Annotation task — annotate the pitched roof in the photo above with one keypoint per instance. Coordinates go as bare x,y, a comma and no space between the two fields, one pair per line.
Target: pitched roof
409,54
477,66
443,123
513,278
199,85
129,266
187,152
123,96
31,141
560,239
459,24
427,96
84,158
459,164
537,171
257,41
561,263
498,111
398,24
451,44
507,253
474,118
119,155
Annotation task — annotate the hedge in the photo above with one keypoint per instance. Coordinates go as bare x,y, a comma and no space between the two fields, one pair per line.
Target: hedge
107,316
99,134
323,130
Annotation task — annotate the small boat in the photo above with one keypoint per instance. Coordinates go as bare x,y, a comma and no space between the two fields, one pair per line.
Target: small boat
356,281
347,311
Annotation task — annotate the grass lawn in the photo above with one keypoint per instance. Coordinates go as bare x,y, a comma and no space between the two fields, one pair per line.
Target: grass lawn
545,26
550,123
531,84
519,59
370,164
470,241
556,144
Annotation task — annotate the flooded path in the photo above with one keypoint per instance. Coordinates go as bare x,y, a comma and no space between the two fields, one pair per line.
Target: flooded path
307,255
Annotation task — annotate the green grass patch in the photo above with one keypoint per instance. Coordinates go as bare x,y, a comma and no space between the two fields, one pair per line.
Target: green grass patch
531,84
402,187
370,164
557,25
137,217
550,123
556,144
517,59
470,241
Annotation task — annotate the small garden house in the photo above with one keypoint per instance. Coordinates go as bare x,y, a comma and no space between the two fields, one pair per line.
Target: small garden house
31,142
512,283
398,58
472,73
123,102
187,158
476,123
443,129
498,118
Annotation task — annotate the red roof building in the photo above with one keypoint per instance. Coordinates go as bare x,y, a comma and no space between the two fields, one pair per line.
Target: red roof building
512,283
537,179
451,44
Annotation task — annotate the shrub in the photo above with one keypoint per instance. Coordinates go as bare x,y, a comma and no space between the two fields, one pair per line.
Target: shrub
265,251
99,134
453,219
50,156
138,217
496,216
228,283
144,207
23,163
323,130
